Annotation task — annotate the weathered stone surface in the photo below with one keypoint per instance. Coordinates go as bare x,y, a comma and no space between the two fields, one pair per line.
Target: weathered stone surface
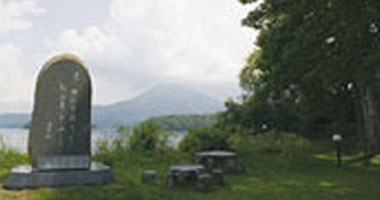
74,162
217,175
204,182
60,135
61,123
23,177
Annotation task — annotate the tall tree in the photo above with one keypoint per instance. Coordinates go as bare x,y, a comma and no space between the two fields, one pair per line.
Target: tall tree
323,56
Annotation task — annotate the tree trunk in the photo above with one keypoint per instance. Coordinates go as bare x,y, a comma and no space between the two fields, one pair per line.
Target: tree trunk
359,106
371,116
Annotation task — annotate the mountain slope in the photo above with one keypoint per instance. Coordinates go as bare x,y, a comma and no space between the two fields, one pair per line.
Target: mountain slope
160,100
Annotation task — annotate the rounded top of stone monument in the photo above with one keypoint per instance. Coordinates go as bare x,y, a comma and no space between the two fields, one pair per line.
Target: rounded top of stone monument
63,57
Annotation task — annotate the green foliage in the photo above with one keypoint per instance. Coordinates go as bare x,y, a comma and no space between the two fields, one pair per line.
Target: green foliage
123,130
203,139
268,175
148,137
259,115
277,164
305,79
110,152
183,122
211,138
282,144
9,158
243,141
144,138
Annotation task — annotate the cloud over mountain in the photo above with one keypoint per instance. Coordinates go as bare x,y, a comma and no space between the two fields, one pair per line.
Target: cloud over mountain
128,45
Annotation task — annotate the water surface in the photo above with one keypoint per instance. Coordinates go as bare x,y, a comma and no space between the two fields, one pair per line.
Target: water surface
17,138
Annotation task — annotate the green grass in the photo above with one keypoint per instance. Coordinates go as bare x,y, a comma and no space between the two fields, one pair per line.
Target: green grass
8,159
268,176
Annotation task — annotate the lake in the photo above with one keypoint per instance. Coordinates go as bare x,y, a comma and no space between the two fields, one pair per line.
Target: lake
18,138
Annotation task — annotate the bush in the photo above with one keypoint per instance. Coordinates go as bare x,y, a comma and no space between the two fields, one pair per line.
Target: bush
285,144
204,139
9,158
145,138
148,137
110,152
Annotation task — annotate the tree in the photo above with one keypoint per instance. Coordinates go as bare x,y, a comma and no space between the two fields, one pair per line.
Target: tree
323,59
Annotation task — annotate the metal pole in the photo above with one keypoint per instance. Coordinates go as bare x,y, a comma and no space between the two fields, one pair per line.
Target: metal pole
338,154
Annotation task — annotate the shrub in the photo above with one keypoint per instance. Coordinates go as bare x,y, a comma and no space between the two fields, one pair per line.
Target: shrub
285,144
148,137
204,139
9,158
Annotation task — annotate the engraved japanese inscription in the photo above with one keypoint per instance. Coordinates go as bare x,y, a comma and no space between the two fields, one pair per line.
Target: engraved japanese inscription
62,113
60,134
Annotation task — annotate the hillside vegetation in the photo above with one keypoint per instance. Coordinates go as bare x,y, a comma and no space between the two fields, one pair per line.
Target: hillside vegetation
184,122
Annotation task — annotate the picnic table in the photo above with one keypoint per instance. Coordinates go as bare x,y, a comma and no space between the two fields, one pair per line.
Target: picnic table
186,168
187,174
216,160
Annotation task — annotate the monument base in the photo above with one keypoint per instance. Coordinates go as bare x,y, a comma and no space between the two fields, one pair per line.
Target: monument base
23,177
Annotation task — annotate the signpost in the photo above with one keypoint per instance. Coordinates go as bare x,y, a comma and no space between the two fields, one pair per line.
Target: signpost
337,139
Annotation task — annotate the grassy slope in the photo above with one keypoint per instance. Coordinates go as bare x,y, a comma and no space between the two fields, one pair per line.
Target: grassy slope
268,176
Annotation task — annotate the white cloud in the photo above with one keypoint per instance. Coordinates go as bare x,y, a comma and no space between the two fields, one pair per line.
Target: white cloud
103,53
195,39
14,84
92,42
13,15
144,42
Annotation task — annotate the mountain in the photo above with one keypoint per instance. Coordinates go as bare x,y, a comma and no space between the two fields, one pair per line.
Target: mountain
14,120
160,100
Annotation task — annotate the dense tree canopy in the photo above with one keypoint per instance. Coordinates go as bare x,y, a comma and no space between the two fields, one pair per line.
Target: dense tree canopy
316,69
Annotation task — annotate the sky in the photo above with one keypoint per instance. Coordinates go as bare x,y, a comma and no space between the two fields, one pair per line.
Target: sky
128,45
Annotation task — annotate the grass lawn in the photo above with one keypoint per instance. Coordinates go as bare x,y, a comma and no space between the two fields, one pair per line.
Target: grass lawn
268,176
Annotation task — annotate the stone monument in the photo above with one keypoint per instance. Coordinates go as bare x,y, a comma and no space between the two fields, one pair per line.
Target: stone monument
59,142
